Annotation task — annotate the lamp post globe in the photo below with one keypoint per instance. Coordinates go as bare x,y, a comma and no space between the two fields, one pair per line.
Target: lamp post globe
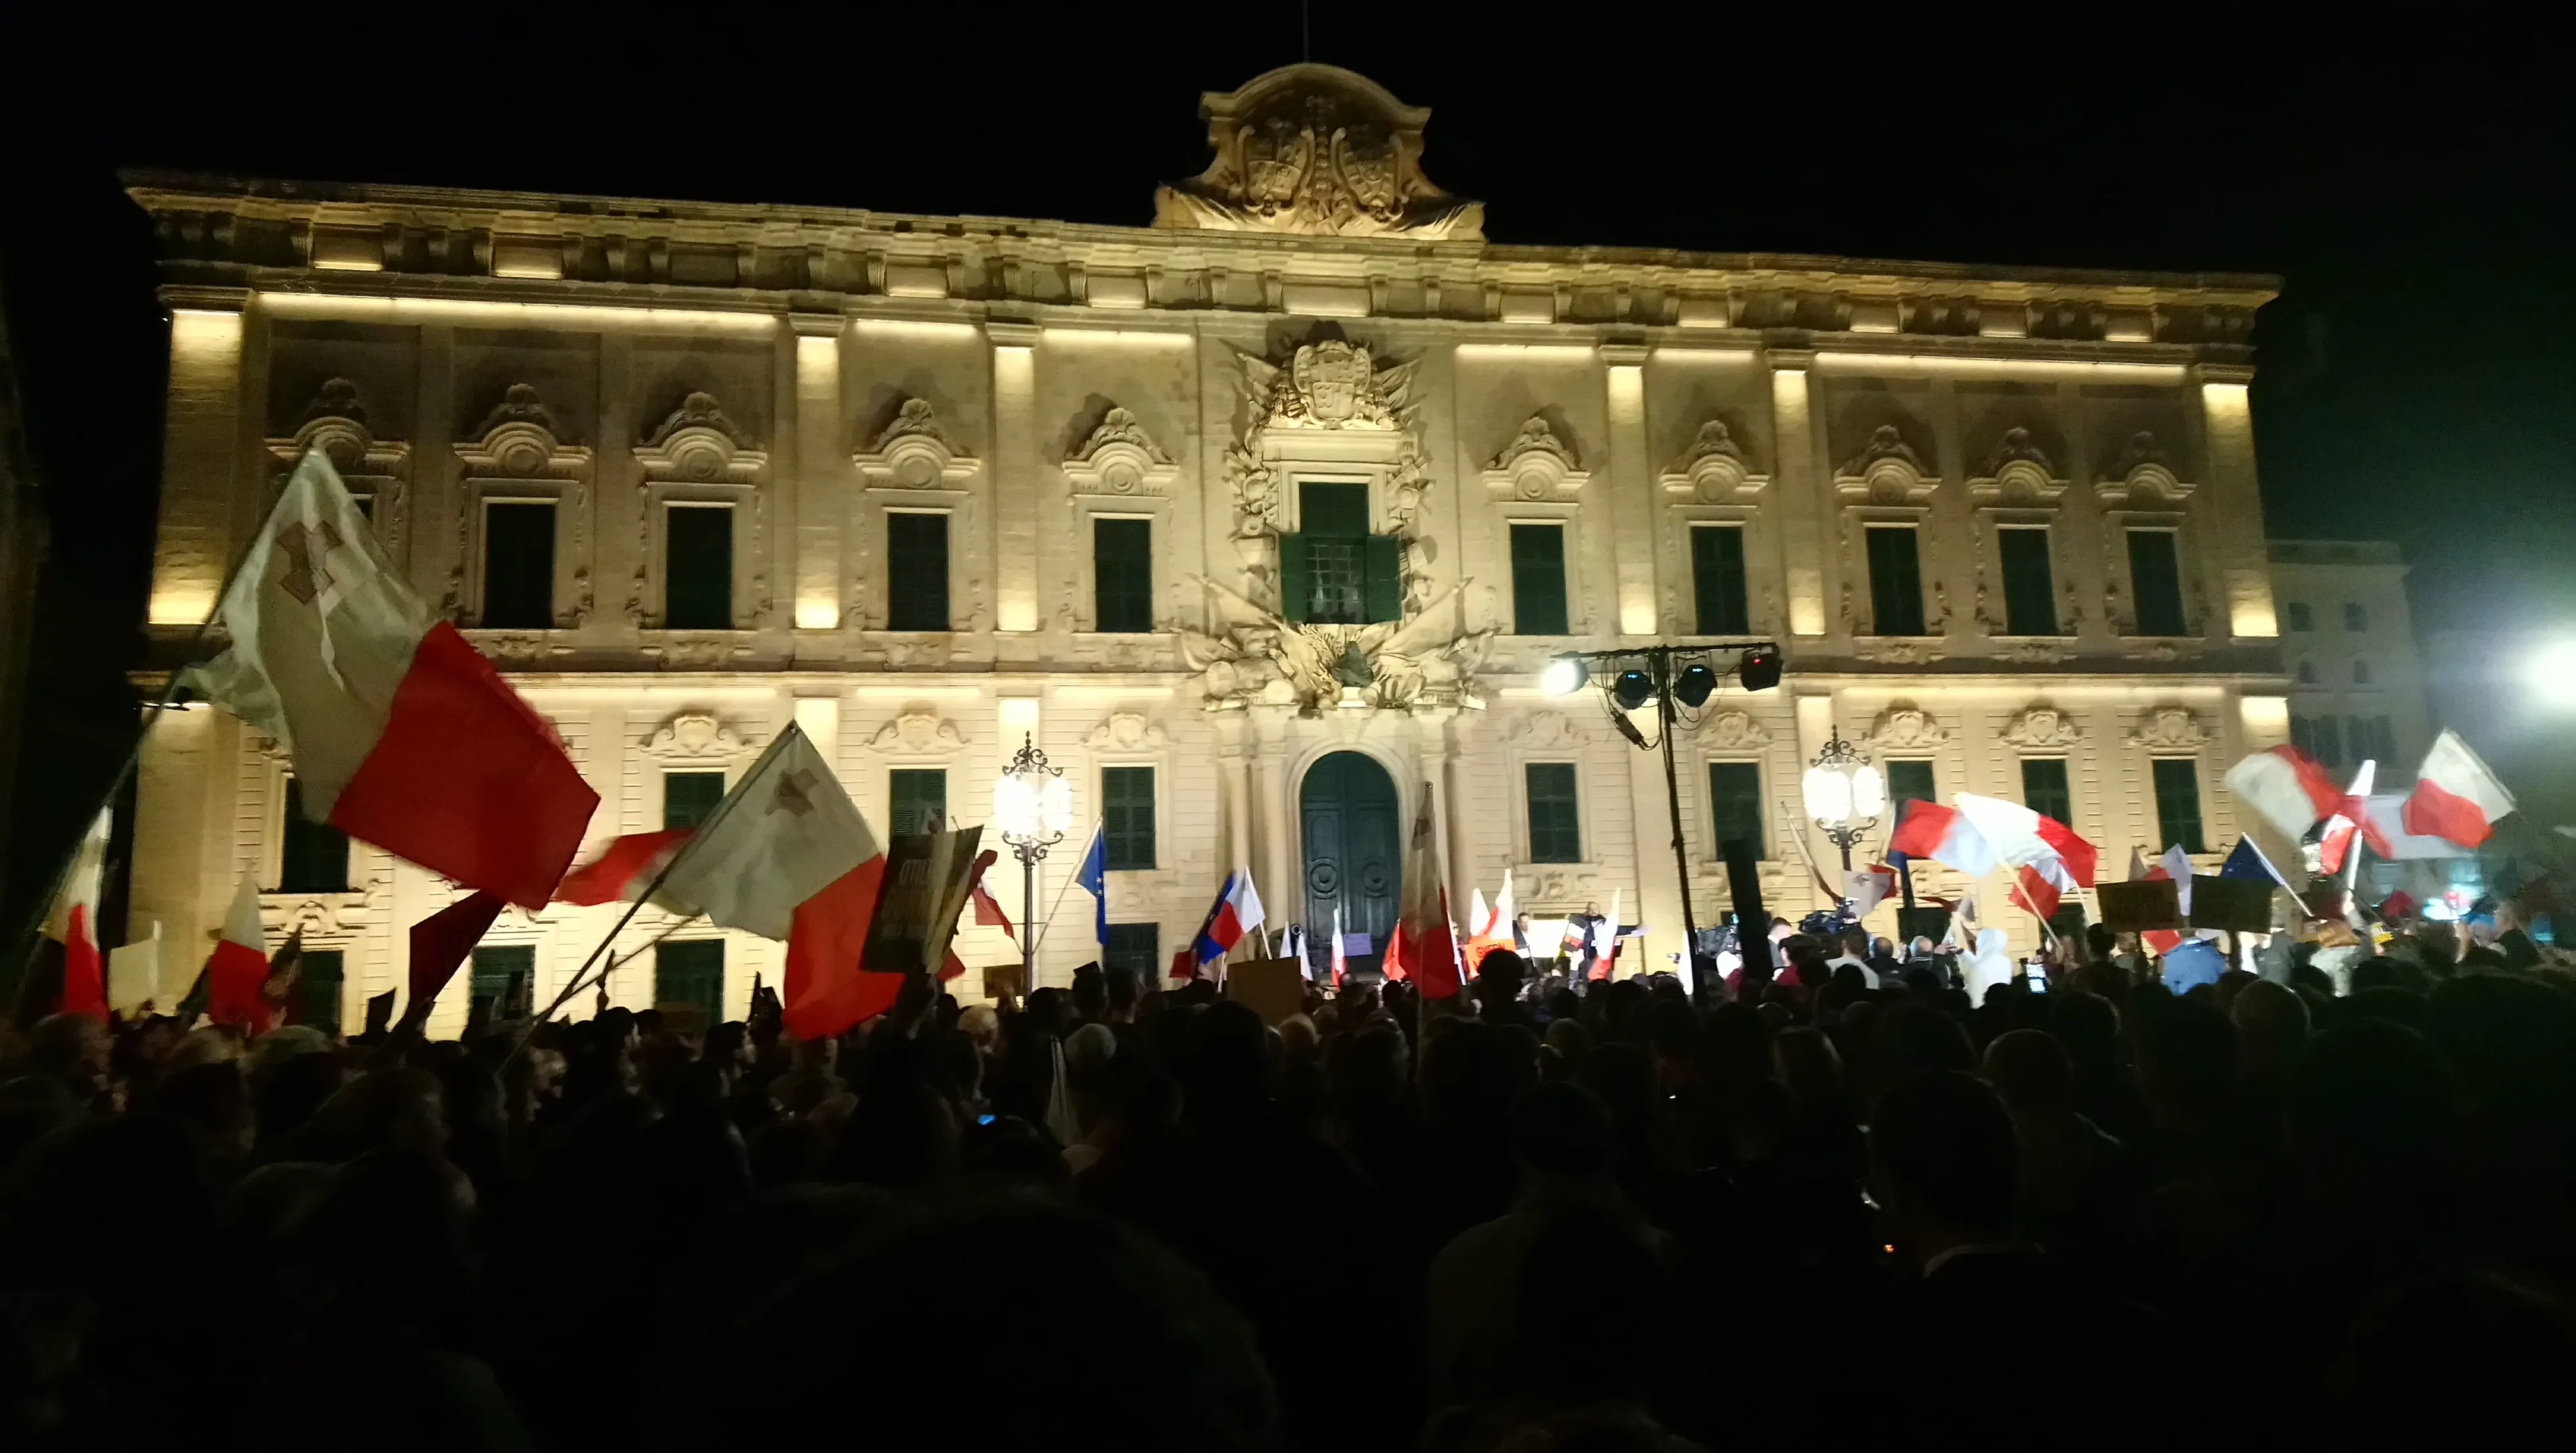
1845,794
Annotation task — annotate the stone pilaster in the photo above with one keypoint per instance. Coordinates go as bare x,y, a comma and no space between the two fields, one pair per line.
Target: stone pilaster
2236,501
204,481
1804,514
821,501
1632,500
1017,551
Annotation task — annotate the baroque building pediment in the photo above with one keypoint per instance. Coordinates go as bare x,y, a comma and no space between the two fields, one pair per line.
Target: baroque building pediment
1713,469
919,733
913,452
1121,458
1318,150
697,444
2042,728
1536,465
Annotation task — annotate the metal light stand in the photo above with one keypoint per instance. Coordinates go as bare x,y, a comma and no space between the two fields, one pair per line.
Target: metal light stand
1659,664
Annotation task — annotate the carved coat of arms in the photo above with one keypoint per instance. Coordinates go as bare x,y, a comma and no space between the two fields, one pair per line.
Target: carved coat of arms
1329,385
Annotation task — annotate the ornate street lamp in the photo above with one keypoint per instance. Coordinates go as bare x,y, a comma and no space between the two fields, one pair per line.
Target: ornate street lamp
1844,793
1033,806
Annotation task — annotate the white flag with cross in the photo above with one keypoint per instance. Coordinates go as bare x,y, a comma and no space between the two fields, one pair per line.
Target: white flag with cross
783,834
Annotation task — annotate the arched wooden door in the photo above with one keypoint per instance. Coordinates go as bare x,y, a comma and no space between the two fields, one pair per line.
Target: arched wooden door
1354,855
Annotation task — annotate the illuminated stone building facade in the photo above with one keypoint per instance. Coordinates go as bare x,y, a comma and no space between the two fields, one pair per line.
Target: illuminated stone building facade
1262,520
2348,644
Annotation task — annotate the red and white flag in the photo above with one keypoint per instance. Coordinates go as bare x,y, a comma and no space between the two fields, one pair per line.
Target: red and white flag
239,964
2287,788
1236,912
1424,946
1480,919
624,869
1341,964
1945,835
2351,819
783,834
2041,886
2022,837
73,923
2174,866
2456,798
401,733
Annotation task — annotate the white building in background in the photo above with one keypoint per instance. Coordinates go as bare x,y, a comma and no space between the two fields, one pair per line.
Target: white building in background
2357,687
1261,521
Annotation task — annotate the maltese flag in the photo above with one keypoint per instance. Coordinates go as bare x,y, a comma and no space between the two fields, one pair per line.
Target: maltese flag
2350,819
2456,798
1946,836
401,733
1237,912
2289,788
2022,837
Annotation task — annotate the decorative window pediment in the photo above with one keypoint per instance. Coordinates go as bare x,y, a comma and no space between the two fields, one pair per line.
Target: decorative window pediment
1713,469
2169,728
1127,731
1904,726
1549,731
1536,464
2141,477
2019,472
697,444
2042,728
517,441
913,452
919,734
1886,471
336,423
1120,458
1729,731
695,735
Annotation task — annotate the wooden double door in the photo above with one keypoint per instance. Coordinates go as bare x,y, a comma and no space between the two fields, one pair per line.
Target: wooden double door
1354,857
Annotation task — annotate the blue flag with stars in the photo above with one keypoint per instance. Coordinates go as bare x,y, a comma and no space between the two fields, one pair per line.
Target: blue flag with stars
1093,878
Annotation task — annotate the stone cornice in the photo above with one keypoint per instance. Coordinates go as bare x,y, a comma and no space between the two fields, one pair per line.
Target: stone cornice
210,224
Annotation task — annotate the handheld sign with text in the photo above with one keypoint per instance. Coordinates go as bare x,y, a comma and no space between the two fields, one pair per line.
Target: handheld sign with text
2241,904
1275,989
2143,906
927,876
1002,981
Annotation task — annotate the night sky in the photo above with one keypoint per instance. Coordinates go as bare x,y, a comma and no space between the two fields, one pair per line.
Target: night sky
2415,377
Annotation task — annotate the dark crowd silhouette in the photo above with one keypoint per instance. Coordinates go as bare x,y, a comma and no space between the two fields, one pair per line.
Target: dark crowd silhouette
1849,1208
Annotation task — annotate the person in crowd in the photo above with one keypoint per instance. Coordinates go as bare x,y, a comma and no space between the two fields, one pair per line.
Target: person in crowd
1140,1215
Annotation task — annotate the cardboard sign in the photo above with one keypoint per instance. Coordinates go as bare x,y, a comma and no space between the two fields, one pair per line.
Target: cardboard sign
2141,907
1002,981
1275,989
1931,923
925,888
2242,904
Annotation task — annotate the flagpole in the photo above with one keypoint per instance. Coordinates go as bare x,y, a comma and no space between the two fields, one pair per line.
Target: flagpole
622,960
704,829
1037,932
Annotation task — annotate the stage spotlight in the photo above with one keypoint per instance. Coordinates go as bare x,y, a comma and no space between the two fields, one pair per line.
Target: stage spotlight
1759,670
1695,684
1633,689
1563,675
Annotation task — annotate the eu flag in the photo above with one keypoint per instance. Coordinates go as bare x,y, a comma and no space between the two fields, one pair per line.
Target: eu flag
1093,878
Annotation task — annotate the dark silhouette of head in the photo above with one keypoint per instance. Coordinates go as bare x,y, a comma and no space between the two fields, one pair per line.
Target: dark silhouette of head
1142,1354
1943,1162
